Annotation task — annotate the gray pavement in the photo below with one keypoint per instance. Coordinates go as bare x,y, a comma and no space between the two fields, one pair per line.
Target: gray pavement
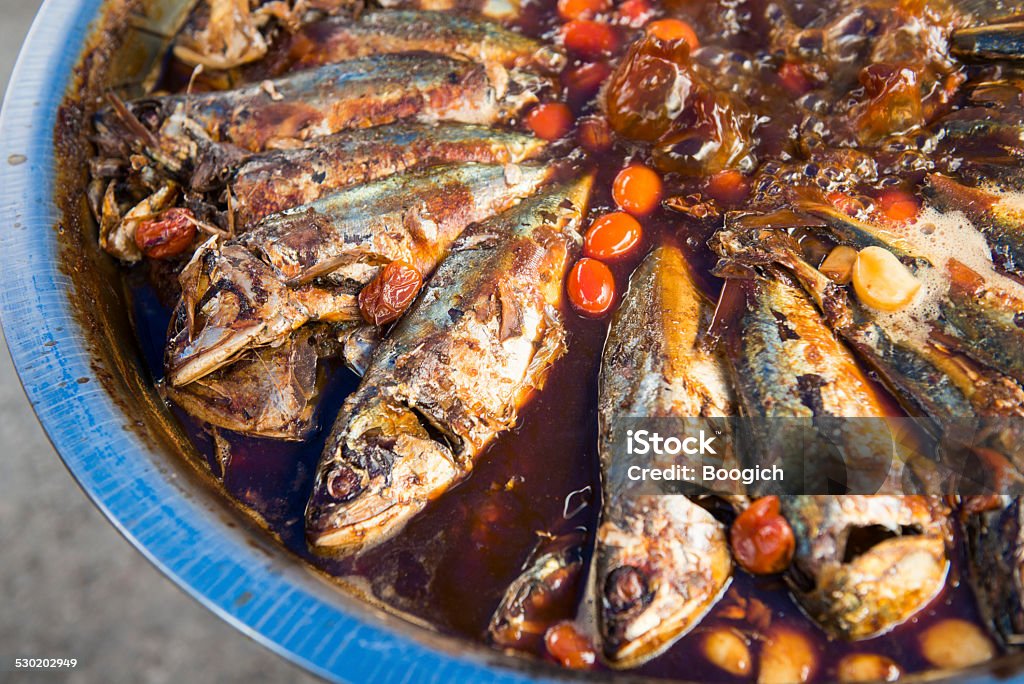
70,586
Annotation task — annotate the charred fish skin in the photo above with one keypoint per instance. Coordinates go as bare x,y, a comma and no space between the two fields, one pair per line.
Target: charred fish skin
358,93
995,543
453,374
662,561
253,291
413,217
283,179
854,585
271,392
541,595
390,31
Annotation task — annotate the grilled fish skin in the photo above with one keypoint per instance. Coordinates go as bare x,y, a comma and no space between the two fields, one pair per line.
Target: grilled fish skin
856,592
251,291
270,392
357,93
797,381
389,31
411,217
452,375
283,179
662,561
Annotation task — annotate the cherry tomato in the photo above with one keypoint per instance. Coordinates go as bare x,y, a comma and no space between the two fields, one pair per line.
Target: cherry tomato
635,12
762,540
612,236
581,9
583,82
387,296
898,206
728,187
794,79
673,29
550,120
166,235
591,287
570,648
595,135
637,189
589,38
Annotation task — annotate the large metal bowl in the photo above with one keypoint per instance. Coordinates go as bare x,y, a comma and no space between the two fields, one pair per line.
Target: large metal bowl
65,319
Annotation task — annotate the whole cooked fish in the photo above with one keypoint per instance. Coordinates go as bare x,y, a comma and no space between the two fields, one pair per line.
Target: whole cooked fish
452,375
388,31
281,179
357,93
254,290
662,561
865,564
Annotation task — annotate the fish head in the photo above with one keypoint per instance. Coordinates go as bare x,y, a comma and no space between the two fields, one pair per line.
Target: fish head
381,466
659,570
228,300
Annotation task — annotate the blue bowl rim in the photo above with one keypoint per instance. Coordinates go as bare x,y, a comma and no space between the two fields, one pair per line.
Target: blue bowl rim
263,592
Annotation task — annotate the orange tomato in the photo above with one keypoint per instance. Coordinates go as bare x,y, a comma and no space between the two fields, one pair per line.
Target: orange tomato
637,189
581,9
898,206
570,648
589,38
635,12
673,29
762,540
591,287
550,120
612,236
728,187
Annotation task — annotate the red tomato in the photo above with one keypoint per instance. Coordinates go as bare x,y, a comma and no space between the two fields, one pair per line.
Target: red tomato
581,9
583,82
591,287
898,206
550,120
589,38
612,236
635,12
637,189
570,648
673,29
728,187
794,79
762,540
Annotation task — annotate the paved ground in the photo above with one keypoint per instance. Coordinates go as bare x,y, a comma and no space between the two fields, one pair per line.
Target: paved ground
70,586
